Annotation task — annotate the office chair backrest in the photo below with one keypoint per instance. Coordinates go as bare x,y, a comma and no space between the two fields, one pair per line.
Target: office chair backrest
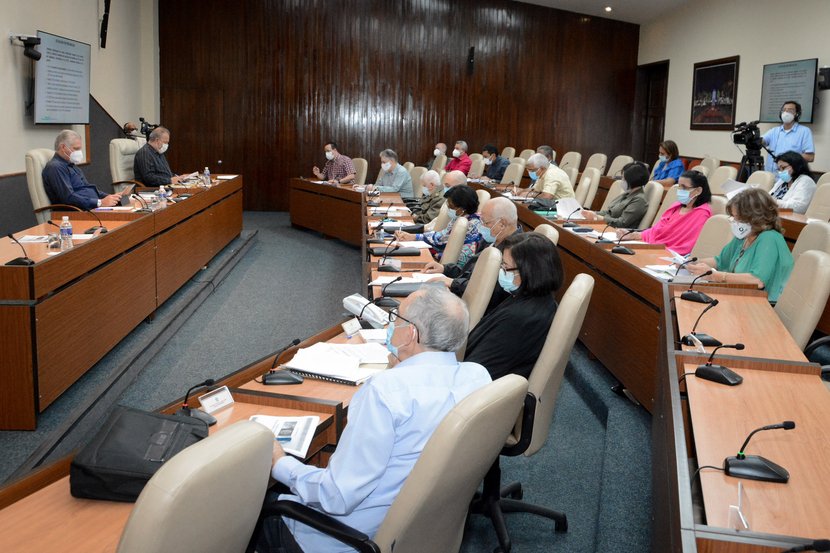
573,174
475,156
439,163
482,283
441,220
430,510
825,178
805,295
547,373
476,168
36,160
819,207
700,169
718,205
513,174
508,152
122,157
483,198
668,200
761,179
571,160
206,498
615,170
613,192
714,235
551,233
361,168
654,195
711,163
518,159
586,191
814,236
408,165
597,160
720,176
417,188
456,241
526,153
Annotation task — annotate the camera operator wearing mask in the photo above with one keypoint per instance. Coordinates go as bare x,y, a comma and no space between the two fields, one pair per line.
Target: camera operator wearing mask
790,136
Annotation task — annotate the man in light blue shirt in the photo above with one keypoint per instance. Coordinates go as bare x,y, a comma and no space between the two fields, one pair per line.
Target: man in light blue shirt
391,418
393,177
789,137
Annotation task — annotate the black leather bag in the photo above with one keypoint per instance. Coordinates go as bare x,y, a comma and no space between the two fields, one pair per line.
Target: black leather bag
127,452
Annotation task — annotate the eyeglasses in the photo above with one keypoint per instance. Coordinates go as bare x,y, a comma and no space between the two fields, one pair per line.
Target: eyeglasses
507,269
394,316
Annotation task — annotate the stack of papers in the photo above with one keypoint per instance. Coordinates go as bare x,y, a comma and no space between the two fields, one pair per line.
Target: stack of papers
293,433
347,363
415,278
569,208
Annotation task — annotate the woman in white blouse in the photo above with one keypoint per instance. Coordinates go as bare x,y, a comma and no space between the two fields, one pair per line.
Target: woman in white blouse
795,187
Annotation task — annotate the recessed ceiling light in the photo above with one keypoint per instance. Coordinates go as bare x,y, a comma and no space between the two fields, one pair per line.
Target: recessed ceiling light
608,8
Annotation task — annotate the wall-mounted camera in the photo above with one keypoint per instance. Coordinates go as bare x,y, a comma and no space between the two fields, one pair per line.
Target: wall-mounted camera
29,42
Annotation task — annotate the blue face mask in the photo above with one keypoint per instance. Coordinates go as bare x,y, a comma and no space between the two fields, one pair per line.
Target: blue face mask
486,235
663,159
446,189
506,281
683,196
390,330
532,175
784,176
452,214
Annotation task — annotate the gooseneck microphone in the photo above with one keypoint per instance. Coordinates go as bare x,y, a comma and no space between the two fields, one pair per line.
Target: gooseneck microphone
755,467
619,248
720,373
602,239
90,230
815,545
145,206
567,223
679,267
274,377
705,339
383,301
187,411
293,343
695,295
382,260
24,261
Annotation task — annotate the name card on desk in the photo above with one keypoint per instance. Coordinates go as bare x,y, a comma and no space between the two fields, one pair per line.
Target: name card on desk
215,400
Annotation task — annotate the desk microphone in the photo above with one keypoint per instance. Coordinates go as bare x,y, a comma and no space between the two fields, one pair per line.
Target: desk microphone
705,339
273,376
755,467
695,295
23,261
719,373
145,206
602,239
386,252
679,267
90,230
567,223
622,249
383,301
187,411
816,545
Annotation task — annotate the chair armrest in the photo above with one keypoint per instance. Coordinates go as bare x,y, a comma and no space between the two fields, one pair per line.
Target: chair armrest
825,373
528,416
812,346
322,523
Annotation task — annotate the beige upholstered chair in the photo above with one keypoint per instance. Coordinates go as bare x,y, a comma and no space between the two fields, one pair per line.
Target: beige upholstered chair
439,163
714,235
525,154
819,207
761,179
571,160
615,170
361,168
597,160
36,160
700,169
441,220
475,156
654,195
429,512
482,283
711,163
508,152
456,241
122,157
408,165
586,191
513,174
573,175
533,426
805,295
613,192
476,168
814,236
483,198
415,174
206,498
547,230
825,178
718,205
518,159
668,200
720,176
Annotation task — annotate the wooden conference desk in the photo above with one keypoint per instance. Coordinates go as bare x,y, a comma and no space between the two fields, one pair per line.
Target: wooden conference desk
333,210
62,314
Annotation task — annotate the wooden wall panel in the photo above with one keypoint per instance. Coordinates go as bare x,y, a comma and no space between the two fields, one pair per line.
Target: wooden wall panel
281,77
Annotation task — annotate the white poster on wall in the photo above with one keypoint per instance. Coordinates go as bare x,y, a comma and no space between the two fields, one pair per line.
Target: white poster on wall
62,81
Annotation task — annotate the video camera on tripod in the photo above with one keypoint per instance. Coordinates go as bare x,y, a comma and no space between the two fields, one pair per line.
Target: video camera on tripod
146,128
749,135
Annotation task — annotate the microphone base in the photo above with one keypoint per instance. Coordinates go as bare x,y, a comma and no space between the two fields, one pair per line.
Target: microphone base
569,225
96,228
704,338
387,302
695,296
582,230
208,419
20,262
622,250
604,241
755,467
719,374
388,269
282,377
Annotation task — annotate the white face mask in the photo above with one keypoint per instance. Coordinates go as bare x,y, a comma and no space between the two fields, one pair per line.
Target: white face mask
329,156
436,152
163,148
787,117
386,166
76,156
456,153
488,161
740,230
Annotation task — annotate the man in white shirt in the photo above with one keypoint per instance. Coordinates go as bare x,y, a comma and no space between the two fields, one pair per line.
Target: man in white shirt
391,418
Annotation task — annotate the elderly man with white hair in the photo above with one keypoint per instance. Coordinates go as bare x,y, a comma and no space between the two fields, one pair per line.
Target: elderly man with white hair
391,418
460,160
430,205
552,183
65,183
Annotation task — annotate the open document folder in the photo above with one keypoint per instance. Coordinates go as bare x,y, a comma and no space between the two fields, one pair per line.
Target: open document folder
293,433
342,363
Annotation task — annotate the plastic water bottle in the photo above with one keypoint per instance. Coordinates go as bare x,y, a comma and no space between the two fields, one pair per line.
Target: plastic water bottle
66,234
207,177
162,195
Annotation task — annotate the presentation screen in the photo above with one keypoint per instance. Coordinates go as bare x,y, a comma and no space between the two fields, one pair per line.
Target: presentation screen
791,80
62,81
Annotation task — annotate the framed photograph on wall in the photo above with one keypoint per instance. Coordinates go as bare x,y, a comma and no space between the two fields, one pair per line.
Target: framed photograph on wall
714,90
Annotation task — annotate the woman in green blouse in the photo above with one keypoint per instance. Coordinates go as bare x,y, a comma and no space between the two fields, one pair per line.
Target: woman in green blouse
758,253
627,209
